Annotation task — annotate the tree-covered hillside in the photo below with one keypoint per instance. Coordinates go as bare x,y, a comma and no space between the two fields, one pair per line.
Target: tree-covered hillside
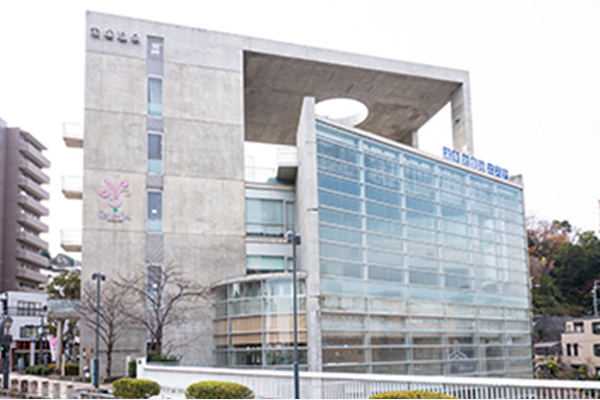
563,265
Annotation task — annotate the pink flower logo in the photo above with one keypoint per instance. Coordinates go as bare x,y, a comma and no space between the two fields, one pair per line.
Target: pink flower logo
114,194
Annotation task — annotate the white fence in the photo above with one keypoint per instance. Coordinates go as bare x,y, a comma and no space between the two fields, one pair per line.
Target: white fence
323,385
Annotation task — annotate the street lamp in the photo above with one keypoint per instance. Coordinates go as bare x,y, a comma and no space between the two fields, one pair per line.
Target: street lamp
96,375
5,342
291,237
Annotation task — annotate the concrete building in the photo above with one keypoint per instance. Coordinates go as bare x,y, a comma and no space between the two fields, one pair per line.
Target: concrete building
581,344
410,263
21,196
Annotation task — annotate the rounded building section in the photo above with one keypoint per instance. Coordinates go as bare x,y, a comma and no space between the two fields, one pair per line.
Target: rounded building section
254,324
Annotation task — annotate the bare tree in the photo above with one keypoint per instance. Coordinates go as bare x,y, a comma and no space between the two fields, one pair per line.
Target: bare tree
113,319
168,297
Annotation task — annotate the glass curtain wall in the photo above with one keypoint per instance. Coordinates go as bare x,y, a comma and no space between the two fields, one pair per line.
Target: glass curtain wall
423,265
254,324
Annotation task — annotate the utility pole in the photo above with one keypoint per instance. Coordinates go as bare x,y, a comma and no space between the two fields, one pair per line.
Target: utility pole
595,297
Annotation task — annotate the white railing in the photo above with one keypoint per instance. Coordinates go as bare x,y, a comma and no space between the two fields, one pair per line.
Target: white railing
324,385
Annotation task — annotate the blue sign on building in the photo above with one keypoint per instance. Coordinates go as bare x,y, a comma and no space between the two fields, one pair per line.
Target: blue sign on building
474,163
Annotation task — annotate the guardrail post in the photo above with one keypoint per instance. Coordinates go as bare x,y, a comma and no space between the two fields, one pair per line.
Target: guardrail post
56,391
34,387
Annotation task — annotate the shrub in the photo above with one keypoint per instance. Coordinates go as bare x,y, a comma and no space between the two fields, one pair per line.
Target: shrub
132,369
72,369
218,390
39,369
412,394
133,388
163,358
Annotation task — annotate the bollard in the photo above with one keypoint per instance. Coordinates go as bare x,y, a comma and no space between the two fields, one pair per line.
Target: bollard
34,387
56,391
45,389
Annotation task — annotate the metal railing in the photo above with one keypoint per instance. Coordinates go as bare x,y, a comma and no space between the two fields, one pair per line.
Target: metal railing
279,384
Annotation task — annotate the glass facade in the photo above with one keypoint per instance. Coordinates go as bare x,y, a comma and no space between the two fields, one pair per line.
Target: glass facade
253,325
423,265
269,217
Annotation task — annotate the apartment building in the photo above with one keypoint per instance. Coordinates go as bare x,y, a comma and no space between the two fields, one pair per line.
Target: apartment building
22,178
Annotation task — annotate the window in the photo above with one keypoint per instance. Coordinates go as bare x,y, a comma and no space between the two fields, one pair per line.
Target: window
597,350
266,217
154,220
155,153
575,349
596,328
578,327
155,96
28,308
153,280
263,264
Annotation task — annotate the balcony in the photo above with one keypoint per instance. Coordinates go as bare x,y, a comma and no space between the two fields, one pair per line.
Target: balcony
34,171
73,135
33,258
33,188
72,187
287,163
34,154
70,240
31,275
32,205
32,223
31,240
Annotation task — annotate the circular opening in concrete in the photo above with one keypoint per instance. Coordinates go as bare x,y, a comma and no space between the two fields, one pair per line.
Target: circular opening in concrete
349,112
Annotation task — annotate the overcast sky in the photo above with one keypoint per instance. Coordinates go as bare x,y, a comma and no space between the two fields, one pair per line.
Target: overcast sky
534,68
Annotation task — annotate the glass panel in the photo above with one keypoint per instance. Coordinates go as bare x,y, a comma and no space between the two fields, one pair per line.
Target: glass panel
420,234
384,258
337,135
428,353
338,338
339,185
423,278
343,269
340,218
386,274
379,164
381,226
262,264
388,306
340,235
388,338
386,290
429,369
343,286
289,216
380,210
382,180
264,217
384,196
344,303
421,249
154,218
338,201
335,167
384,242
396,369
420,190
387,323
338,251
343,322
413,203
420,219
389,354
343,355
420,176
155,96
284,357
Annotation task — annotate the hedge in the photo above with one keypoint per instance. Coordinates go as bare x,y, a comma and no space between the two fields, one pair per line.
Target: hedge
412,394
218,390
39,369
133,388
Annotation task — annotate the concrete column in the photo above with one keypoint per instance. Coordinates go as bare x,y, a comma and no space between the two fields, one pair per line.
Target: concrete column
415,139
307,221
462,129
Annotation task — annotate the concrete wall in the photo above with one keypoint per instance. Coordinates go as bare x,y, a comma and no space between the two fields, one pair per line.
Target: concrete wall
203,166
